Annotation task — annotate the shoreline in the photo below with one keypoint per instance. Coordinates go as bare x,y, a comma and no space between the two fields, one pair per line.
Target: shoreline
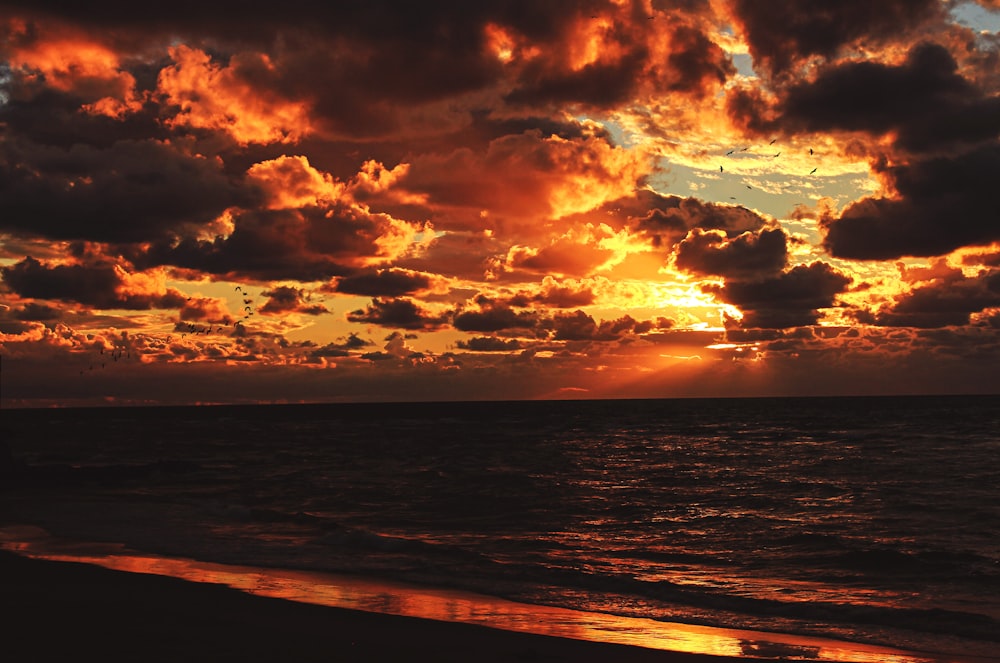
58,611
75,589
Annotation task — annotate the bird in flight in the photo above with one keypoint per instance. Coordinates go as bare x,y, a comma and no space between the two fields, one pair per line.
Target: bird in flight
812,171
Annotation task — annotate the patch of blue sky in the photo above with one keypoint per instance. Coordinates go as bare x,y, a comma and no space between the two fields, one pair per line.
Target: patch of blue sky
976,17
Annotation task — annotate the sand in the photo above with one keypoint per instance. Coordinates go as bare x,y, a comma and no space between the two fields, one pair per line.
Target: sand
59,611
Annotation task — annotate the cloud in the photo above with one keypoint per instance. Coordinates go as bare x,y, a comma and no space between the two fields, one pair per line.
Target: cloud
506,182
609,55
233,98
667,219
286,299
381,283
804,30
205,309
924,102
102,286
578,252
132,191
345,348
523,178
489,344
710,252
948,298
940,204
579,326
309,244
36,312
789,299
559,293
401,313
495,317
69,62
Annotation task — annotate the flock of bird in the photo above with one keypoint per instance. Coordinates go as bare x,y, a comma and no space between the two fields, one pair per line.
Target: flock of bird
121,349
773,156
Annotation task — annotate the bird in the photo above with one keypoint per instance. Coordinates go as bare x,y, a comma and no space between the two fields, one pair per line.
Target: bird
773,141
776,155
810,151
730,152
720,169
238,288
748,186
812,171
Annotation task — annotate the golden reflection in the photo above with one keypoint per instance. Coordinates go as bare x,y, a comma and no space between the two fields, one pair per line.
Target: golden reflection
455,606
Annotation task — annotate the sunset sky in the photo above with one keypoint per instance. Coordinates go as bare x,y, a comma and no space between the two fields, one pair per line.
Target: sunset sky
211,202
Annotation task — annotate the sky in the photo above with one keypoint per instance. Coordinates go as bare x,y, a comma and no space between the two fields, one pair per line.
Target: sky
220,202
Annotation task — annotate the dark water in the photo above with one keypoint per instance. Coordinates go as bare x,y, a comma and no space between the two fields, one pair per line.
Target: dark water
871,519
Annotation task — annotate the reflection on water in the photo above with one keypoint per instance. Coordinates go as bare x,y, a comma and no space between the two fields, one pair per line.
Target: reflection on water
455,606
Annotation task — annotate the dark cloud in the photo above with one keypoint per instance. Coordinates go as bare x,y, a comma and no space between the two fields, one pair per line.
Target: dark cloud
489,344
36,312
495,317
746,255
695,64
381,283
924,101
343,348
312,244
52,118
400,313
667,219
558,296
286,299
790,299
942,204
783,32
990,259
101,286
596,84
943,302
578,326
130,192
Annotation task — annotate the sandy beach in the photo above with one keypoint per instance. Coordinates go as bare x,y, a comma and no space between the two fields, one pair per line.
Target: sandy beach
66,611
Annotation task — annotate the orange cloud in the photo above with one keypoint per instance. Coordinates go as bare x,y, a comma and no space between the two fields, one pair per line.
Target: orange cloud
81,67
525,178
291,182
234,99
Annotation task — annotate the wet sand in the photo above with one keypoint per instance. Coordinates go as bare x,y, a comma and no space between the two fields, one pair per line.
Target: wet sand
73,611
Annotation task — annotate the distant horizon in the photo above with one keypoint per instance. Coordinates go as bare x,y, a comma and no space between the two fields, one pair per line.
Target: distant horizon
457,403
508,200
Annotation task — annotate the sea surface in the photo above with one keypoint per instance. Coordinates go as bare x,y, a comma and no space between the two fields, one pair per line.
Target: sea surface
870,520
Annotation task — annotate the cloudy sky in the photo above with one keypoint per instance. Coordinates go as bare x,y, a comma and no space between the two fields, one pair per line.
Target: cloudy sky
205,202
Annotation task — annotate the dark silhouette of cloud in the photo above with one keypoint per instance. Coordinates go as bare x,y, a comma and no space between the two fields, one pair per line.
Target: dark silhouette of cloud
746,255
789,299
941,204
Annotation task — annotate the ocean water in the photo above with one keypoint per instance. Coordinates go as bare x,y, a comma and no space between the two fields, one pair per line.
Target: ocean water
871,520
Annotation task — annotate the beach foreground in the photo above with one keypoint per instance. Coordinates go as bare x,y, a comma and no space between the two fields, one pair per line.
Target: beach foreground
66,610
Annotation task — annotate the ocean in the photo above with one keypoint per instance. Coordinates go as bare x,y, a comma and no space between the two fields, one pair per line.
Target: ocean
868,520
